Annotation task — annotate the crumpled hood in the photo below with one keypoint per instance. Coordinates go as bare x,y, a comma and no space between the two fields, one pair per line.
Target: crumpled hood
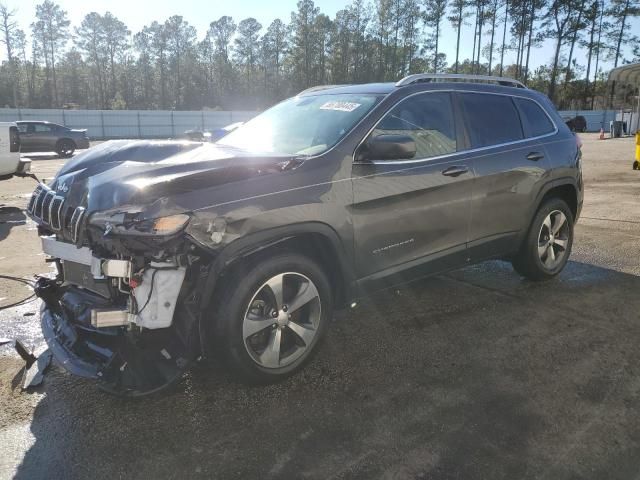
118,173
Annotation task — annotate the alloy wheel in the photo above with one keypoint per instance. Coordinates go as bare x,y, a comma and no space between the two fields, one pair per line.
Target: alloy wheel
282,320
553,239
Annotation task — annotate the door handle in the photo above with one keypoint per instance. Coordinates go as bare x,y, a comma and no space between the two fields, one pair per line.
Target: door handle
454,171
535,156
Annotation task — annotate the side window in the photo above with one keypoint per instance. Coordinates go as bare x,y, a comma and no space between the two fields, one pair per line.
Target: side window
22,127
428,119
491,119
41,127
535,121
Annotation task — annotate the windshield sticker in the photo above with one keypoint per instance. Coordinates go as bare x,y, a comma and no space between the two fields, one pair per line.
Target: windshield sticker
340,106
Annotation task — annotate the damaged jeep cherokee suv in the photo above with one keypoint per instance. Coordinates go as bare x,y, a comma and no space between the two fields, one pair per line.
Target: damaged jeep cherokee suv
169,251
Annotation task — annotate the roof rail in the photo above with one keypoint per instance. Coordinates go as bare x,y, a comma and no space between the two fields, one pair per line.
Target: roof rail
317,88
458,77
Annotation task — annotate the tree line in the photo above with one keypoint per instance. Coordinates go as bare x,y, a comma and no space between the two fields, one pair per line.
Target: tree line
246,65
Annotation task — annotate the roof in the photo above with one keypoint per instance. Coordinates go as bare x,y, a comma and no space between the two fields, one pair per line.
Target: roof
428,81
624,82
362,88
626,74
390,88
459,77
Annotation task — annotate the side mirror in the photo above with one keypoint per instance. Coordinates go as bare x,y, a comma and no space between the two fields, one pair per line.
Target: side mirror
388,147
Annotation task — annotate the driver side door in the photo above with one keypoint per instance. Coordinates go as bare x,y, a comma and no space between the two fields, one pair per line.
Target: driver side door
411,216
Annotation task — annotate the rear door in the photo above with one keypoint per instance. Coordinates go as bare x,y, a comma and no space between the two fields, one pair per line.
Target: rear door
45,137
509,164
411,216
27,137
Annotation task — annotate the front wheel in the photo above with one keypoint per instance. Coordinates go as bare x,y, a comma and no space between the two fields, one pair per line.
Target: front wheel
65,148
271,317
547,246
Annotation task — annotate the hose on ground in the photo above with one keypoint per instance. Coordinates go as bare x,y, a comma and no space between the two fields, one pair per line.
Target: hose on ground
25,281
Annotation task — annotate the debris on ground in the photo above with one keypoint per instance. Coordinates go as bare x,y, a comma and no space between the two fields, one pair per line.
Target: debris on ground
26,355
35,365
34,374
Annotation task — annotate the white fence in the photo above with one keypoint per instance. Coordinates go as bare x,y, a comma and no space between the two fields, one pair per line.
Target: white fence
105,124
595,118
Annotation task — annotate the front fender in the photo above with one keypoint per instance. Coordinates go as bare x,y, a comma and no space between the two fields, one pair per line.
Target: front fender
256,242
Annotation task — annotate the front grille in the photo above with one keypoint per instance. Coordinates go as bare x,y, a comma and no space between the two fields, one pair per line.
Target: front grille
76,222
55,214
46,207
49,209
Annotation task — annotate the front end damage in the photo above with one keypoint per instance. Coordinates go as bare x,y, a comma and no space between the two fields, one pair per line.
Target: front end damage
138,232
124,305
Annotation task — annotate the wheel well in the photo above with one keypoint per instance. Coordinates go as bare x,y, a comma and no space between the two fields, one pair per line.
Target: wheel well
59,142
565,192
313,245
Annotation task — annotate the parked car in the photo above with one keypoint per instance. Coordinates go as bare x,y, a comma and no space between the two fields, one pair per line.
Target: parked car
577,123
242,249
50,137
10,162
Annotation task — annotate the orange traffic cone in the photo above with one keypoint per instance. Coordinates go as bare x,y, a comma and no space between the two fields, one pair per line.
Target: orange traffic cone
601,133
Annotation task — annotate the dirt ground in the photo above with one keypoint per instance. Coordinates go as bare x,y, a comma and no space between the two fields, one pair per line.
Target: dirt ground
473,374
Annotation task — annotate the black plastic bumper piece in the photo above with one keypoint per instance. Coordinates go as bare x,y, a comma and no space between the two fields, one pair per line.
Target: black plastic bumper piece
59,335
126,364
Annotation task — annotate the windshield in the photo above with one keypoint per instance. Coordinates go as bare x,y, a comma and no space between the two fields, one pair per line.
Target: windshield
302,125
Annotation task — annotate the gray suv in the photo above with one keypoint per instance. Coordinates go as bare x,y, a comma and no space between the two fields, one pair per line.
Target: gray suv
171,251
51,137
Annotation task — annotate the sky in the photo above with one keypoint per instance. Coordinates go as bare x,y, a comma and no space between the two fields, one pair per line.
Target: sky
138,13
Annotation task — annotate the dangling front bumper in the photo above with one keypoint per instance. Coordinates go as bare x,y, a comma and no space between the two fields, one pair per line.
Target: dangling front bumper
126,362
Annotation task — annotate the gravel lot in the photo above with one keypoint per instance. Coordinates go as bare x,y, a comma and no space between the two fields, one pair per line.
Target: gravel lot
473,374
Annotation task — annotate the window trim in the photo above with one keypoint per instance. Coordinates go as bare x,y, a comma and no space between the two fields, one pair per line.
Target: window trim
457,111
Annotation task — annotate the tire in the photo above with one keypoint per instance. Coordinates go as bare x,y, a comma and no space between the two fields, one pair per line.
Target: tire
535,260
245,331
65,148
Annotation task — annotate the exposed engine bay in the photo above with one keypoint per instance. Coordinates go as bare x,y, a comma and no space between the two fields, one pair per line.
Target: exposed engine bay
122,308
137,231
134,316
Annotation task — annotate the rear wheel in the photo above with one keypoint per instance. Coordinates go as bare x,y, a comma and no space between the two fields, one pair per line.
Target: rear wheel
65,148
547,246
271,317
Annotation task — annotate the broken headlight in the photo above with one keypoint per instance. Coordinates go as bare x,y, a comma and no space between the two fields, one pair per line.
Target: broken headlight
126,223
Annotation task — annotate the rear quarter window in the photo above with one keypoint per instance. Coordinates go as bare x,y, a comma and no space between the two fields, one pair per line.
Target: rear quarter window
534,120
491,119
